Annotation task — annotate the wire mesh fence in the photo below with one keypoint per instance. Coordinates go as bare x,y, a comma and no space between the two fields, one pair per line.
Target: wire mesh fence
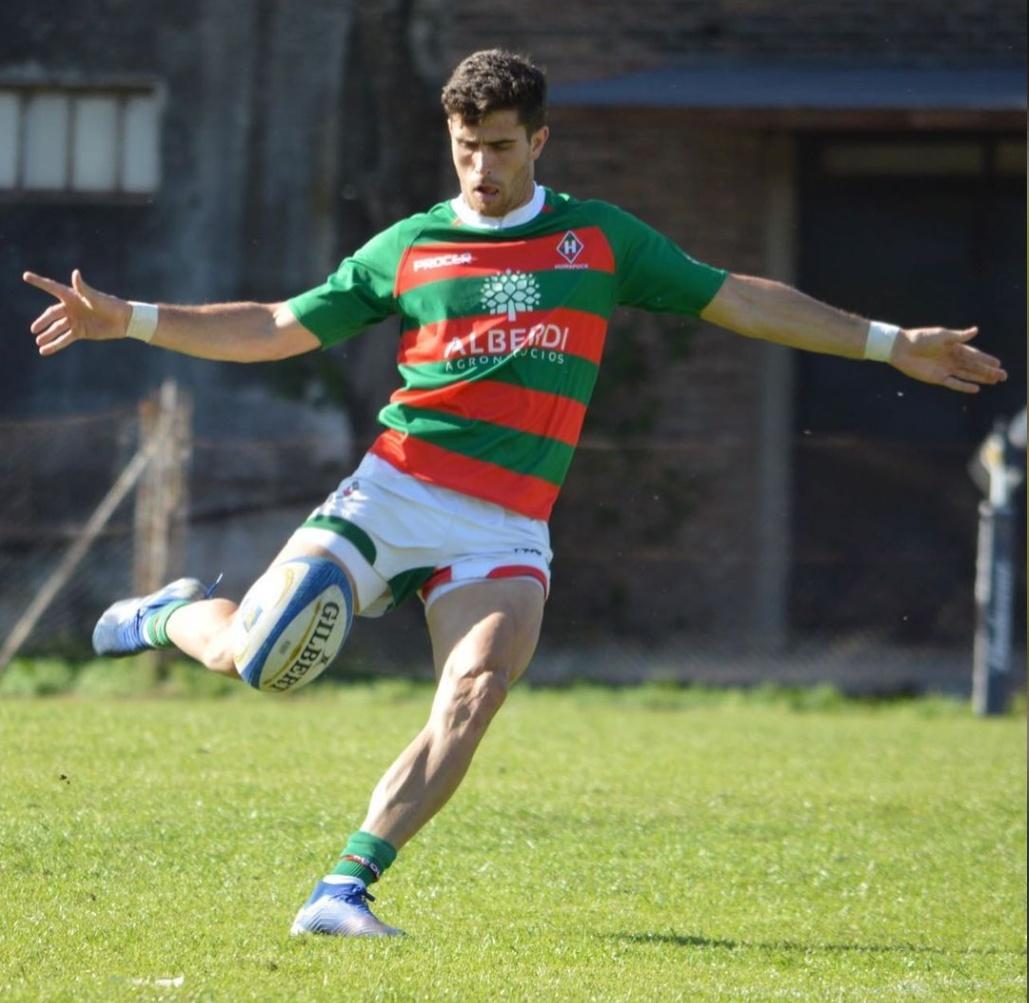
54,474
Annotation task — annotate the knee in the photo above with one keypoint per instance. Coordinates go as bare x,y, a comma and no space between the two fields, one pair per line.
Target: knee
474,695
203,630
216,647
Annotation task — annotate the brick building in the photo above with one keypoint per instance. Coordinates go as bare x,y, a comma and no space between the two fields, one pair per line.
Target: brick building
872,154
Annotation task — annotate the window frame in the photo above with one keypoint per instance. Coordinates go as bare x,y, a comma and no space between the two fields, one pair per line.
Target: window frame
122,94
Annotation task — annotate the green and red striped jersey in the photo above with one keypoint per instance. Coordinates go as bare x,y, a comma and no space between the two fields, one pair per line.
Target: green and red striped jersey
502,335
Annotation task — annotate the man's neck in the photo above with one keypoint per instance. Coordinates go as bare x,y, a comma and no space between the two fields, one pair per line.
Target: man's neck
516,217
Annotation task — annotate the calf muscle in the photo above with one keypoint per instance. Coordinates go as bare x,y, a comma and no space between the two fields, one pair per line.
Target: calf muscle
483,637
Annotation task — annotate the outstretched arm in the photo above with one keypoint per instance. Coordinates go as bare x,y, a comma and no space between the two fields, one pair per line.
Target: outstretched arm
761,308
231,332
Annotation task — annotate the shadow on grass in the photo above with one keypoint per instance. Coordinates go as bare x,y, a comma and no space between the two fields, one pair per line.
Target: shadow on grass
691,940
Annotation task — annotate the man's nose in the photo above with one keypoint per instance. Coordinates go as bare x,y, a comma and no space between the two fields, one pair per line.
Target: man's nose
482,161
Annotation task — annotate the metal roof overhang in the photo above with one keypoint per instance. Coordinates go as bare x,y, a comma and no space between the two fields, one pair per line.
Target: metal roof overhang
817,96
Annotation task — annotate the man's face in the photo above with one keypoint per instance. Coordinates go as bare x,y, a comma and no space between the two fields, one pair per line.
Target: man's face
494,160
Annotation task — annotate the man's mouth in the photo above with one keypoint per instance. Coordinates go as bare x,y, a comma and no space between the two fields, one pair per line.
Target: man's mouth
486,191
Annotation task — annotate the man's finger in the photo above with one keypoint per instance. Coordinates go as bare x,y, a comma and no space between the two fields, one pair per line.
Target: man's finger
47,317
47,285
79,284
975,376
988,374
984,367
968,354
57,327
63,341
967,334
962,386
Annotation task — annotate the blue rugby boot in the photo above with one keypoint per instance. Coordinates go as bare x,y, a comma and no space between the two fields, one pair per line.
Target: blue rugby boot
119,631
341,910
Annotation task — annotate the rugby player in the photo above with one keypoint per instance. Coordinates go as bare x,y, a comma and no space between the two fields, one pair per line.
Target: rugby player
504,293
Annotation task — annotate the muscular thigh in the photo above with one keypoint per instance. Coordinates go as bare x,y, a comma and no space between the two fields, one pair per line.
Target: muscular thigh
490,624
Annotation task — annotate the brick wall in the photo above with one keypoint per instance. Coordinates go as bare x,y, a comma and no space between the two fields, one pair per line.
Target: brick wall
663,490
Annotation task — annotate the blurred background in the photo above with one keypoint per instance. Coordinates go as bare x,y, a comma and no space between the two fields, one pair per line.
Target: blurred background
736,513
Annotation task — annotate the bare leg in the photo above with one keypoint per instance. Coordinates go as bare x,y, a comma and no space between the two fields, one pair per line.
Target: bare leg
483,636
202,631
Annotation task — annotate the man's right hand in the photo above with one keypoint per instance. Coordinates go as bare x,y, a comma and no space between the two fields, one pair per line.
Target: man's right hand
81,313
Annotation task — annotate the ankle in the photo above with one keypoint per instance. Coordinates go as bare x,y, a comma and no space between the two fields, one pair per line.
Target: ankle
365,857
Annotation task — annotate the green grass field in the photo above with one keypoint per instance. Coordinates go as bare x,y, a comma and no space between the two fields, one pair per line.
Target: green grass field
637,845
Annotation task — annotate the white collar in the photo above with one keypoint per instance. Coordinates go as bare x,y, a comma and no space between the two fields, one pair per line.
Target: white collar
523,214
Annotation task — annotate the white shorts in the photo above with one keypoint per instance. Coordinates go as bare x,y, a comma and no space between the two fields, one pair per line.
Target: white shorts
397,535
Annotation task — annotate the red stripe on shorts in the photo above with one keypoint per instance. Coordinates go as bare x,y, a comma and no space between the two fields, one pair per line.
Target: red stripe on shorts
520,571
434,580
445,575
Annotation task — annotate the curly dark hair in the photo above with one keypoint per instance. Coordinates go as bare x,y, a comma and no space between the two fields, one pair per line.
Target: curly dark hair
495,80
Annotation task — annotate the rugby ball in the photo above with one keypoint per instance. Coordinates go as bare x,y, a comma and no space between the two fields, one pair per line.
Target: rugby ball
291,624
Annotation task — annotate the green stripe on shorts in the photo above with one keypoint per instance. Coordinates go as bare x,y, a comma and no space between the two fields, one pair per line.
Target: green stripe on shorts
407,583
343,527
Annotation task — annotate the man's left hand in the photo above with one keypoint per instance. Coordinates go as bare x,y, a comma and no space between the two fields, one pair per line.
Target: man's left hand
939,355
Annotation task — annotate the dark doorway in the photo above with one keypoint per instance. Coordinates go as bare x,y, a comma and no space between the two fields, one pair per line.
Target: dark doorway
917,231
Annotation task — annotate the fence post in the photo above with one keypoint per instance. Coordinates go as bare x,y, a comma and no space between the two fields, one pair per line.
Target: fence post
994,597
995,469
162,499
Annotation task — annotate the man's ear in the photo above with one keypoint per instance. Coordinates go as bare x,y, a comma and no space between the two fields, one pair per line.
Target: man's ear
538,140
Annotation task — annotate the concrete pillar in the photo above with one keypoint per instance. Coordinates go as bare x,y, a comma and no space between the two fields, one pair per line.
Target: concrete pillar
775,432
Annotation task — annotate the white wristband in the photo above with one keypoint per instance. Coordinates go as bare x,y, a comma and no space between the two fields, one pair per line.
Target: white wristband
880,340
143,321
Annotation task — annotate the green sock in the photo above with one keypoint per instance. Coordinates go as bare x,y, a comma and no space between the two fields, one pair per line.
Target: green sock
366,857
155,626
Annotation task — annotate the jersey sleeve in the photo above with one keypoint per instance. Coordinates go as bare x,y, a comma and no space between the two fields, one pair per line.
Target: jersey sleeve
654,273
358,294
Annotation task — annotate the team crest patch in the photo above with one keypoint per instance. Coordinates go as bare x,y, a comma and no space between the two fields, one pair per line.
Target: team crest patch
510,292
570,247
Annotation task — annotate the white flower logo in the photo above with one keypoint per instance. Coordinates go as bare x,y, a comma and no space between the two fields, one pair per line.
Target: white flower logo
510,292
